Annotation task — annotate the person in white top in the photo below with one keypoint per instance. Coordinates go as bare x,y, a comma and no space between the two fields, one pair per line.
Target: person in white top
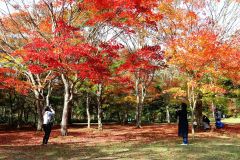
48,115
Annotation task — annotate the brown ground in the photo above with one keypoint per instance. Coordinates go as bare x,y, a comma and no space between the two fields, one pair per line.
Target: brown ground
111,133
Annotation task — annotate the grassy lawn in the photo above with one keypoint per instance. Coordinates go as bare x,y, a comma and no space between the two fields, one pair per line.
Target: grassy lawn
231,120
200,148
152,142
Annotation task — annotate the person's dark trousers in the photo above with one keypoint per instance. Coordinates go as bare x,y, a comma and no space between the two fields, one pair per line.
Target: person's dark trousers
185,139
47,130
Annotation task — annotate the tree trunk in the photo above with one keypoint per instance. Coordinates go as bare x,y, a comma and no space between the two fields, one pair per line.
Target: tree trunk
140,106
192,102
88,113
99,116
48,94
198,112
99,105
167,114
5,112
213,110
64,123
70,106
20,117
10,120
10,117
2,113
26,115
193,128
125,119
137,116
40,116
67,99
39,110
119,117
35,114
139,123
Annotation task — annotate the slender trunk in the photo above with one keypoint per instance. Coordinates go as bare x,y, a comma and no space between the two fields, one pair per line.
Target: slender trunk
5,113
193,129
167,114
48,94
119,117
70,107
88,113
35,114
40,116
20,116
143,94
99,105
125,119
26,116
39,108
140,116
67,98
99,116
139,111
95,113
198,111
213,108
193,116
192,103
64,121
10,120
137,116
189,93
149,116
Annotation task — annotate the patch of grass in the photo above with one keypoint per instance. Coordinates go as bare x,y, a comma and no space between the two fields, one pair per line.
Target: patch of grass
3,157
231,120
204,148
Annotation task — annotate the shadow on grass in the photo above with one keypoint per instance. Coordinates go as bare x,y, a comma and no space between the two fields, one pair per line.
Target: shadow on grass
152,142
59,151
199,149
204,148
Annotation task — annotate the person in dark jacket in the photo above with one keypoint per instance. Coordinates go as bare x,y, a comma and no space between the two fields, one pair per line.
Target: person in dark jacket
183,123
218,116
206,122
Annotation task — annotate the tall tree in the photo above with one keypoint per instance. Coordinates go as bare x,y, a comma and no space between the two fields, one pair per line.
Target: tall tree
143,65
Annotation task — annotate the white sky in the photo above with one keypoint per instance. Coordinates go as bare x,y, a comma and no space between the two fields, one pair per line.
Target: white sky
17,3
227,16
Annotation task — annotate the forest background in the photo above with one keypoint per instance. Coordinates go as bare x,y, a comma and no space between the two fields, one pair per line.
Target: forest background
125,61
